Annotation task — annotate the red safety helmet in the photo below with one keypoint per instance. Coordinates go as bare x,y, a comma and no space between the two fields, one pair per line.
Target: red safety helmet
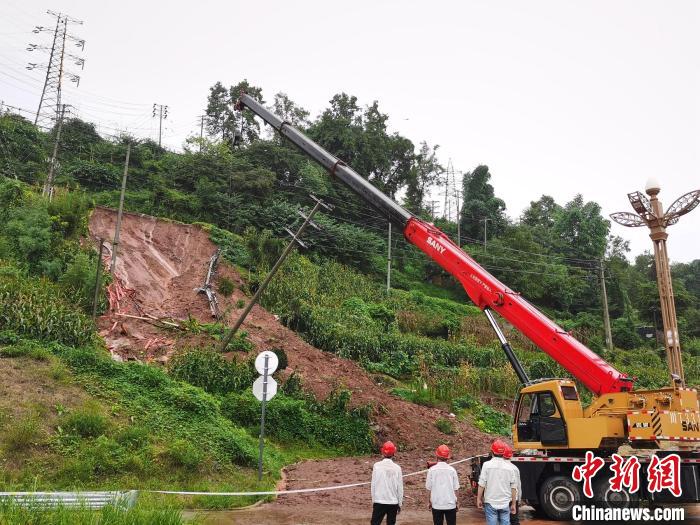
508,453
388,449
443,452
499,447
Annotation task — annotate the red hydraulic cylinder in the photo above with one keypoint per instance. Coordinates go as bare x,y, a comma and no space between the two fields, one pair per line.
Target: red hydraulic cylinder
488,292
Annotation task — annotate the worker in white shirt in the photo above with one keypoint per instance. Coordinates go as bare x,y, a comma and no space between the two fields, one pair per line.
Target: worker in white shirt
442,482
497,491
387,487
514,517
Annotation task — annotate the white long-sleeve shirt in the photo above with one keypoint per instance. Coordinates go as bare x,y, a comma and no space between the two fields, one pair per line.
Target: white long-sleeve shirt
498,479
387,483
518,485
442,481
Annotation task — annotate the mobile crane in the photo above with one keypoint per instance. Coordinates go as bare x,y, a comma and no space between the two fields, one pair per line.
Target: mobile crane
551,427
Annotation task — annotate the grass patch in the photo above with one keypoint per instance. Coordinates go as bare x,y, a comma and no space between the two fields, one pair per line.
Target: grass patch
22,433
87,422
445,426
141,514
226,286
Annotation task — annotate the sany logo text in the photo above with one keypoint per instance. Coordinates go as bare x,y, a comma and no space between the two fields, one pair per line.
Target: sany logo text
432,242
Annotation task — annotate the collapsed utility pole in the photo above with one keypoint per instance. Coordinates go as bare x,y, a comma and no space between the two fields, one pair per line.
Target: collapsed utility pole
48,187
295,240
115,244
606,313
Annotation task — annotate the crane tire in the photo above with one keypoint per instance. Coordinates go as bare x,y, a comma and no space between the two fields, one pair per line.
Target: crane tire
604,496
558,495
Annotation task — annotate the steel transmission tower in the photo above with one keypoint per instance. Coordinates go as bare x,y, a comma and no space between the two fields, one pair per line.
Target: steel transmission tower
651,214
50,102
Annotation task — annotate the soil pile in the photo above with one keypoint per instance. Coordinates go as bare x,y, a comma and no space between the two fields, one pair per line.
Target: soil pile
161,264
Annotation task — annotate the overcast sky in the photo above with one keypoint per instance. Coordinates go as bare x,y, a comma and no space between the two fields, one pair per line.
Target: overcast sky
558,97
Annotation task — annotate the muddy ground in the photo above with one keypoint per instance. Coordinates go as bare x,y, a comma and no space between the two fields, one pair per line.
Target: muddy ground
160,265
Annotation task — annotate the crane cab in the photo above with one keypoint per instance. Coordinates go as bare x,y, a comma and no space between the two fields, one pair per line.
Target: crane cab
549,416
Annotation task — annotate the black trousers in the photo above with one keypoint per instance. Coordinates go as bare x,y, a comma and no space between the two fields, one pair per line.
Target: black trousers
515,518
450,516
379,510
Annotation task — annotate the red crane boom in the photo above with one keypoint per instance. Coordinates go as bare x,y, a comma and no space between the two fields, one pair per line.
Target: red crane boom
487,292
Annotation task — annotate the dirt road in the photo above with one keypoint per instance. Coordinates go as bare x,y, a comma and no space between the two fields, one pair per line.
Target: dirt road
324,515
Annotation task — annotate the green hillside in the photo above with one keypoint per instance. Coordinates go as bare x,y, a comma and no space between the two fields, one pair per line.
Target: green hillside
96,423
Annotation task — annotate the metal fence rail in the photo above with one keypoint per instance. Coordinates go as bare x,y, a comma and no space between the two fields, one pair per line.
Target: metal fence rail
87,500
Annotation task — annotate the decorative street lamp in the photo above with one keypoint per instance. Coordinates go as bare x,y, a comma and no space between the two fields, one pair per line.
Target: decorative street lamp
651,214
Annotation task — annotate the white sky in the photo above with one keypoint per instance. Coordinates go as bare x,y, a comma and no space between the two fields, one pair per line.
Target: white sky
558,97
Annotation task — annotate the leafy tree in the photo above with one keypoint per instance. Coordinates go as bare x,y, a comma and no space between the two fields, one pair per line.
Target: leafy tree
287,110
22,149
481,205
360,139
426,172
224,120
77,136
581,229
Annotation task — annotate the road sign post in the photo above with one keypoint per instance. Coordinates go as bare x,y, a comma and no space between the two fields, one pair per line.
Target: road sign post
264,389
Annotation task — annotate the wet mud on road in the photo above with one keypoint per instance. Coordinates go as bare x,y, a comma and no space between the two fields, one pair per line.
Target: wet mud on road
273,513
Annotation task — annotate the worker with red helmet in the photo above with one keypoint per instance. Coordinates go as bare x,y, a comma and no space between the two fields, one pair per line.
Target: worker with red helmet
514,517
387,487
442,482
497,491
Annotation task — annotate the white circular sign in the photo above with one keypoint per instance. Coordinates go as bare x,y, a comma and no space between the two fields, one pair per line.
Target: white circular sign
272,362
258,388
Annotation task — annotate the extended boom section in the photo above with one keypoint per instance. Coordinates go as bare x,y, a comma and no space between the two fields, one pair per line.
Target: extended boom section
483,288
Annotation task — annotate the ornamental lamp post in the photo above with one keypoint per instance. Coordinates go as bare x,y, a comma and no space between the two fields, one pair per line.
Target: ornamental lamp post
650,213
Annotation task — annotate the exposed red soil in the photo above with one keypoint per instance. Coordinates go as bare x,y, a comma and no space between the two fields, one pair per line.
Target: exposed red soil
164,262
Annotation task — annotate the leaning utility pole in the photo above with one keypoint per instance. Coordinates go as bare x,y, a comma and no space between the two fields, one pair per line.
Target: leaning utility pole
652,215
163,114
606,313
295,240
48,186
115,244
50,101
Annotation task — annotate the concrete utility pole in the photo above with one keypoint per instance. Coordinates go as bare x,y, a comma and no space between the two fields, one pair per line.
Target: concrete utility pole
48,187
201,132
97,279
115,244
651,214
163,114
459,218
256,297
485,221
388,263
606,313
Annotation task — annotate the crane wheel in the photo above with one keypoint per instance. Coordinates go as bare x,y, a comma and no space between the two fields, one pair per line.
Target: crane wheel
558,495
604,496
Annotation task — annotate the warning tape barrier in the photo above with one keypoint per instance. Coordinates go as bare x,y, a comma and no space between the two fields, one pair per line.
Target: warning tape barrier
72,498
291,491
